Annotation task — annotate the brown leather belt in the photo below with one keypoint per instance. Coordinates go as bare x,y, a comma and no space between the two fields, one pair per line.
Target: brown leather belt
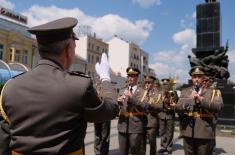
197,114
78,152
152,111
126,114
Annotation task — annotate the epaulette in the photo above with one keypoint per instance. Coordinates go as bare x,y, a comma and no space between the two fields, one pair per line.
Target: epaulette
214,85
77,73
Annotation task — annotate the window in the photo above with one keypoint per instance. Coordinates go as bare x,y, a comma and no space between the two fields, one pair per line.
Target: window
97,59
17,56
144,69
92,59
1,51
89,58
98,48
25,57
89,45
10,55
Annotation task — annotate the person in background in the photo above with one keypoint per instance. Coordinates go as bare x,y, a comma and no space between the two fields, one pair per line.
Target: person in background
152,97
131,120
167,115
198,106
47,108
102,131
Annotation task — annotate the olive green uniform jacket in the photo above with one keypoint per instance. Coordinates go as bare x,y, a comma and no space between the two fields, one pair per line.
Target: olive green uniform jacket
154,102
48,109
135,123
204,126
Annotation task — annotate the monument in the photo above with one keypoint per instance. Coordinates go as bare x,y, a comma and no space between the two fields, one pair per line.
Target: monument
211,55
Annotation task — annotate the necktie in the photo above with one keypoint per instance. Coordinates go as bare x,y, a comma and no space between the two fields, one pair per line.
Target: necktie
131,90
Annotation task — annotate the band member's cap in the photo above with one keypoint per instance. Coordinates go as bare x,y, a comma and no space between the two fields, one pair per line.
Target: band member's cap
132,71
165,81
197,70
55,31
149,78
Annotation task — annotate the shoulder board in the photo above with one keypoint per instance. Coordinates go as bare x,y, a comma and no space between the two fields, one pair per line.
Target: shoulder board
76,73
18,75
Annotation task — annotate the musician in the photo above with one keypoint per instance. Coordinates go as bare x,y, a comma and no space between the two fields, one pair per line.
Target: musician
198,106
131,119
152,96
167,115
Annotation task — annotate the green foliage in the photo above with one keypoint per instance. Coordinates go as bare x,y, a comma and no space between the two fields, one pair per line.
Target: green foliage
1,85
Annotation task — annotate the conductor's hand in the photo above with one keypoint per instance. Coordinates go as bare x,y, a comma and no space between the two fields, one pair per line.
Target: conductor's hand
103,68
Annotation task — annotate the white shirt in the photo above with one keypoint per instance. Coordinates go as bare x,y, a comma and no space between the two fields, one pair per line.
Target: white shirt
133,88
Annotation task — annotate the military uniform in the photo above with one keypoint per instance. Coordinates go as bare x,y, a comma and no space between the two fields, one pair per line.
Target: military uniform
198,121
152,98
102,132
166,120
102,138
131,123
47,108
4,138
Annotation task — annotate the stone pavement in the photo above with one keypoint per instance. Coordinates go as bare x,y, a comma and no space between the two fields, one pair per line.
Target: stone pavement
224,145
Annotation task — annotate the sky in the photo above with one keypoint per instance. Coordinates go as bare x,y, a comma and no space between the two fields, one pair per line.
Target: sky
163,28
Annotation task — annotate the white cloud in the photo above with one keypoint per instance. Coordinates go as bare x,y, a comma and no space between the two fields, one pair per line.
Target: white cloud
164,70
175,62
7,4
105,26
231,56
186,37
109,25
147,3
194,15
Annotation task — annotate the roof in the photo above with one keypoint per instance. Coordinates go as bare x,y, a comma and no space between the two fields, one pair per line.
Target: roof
11,26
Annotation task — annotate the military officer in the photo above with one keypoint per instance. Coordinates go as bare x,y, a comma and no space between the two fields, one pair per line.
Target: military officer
102,131
131,118
153,98
197,107
47,108
167,115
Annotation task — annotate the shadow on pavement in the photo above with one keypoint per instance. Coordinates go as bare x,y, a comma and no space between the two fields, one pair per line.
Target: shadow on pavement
177,147
114,152
219,151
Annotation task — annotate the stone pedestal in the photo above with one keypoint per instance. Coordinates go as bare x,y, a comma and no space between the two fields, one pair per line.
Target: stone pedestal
228,95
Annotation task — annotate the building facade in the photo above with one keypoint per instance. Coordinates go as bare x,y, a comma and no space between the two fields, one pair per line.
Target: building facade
16,43
79,65
90,49
123,54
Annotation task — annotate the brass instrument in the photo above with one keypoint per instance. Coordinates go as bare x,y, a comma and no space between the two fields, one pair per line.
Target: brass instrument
169,94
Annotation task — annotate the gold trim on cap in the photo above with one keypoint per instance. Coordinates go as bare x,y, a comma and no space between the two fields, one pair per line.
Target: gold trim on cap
131,71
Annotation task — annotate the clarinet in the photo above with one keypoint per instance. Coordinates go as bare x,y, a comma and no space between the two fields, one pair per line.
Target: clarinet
196,106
